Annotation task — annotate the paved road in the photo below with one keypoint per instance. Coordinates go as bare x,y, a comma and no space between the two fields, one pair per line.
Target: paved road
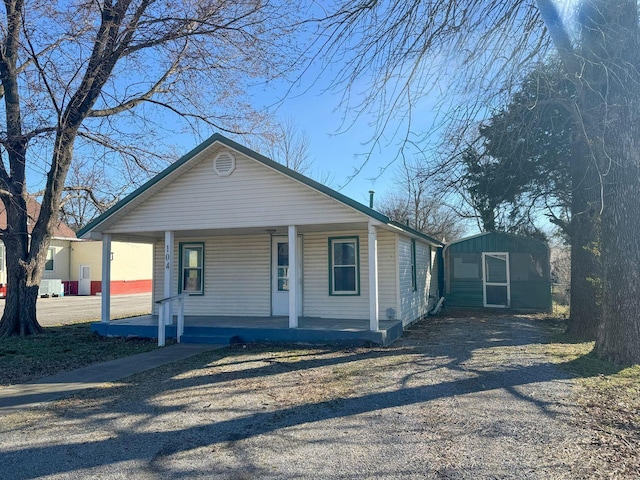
75,309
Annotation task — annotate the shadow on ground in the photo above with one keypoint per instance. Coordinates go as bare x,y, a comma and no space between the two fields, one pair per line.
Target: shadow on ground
211,404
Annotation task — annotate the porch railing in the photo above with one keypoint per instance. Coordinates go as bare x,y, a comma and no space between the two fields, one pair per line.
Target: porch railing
164,316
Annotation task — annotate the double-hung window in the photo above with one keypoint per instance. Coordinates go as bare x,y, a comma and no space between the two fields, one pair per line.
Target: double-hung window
192,268
343,266
49,263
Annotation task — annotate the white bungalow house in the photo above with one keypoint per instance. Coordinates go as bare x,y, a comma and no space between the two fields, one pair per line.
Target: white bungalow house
257,245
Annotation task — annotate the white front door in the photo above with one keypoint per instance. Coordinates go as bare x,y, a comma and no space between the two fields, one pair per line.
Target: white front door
84,280
280,275
495,279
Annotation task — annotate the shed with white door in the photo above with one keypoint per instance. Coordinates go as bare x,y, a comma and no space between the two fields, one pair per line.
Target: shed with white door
498,270
248,238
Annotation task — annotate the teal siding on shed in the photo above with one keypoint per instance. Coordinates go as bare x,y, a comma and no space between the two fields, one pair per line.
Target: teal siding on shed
529,270
465,294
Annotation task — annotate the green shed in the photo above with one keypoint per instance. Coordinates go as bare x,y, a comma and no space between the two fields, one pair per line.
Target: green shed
498,270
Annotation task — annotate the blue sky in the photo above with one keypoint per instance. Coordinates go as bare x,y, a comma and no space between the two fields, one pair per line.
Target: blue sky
340,141
337,150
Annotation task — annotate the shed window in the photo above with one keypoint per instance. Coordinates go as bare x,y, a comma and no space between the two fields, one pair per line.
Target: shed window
343,266
466,266
49,263
527,267
192,268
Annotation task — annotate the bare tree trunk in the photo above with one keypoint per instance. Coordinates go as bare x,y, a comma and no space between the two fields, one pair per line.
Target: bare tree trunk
586,275
618,337
19,317
611,40
24,272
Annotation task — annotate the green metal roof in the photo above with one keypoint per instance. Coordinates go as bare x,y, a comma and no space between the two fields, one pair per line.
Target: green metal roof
497,242
265,161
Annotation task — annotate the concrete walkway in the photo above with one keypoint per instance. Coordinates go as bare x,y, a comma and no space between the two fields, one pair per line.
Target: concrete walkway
57,386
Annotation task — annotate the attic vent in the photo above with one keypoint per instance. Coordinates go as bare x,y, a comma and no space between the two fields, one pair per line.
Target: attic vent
224,164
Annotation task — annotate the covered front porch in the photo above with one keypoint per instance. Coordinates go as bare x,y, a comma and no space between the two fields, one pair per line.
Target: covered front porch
231,329
254,257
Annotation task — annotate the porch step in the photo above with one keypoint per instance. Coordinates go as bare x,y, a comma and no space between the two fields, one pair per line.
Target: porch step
207,339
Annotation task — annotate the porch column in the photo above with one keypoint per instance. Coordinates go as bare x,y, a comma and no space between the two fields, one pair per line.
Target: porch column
374,323
293,277
105,299
167,307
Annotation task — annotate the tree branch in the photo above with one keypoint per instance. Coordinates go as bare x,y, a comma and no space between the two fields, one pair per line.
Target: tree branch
129,104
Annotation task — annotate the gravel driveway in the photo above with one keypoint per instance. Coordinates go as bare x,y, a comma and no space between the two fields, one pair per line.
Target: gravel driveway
455,398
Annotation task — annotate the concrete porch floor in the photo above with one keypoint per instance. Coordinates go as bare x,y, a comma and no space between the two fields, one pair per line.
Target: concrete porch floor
227,329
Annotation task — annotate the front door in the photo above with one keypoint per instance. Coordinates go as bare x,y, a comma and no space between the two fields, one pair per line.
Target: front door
280,276
84,280
495,273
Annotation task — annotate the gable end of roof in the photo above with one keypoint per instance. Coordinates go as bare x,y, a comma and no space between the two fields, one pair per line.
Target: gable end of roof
218,138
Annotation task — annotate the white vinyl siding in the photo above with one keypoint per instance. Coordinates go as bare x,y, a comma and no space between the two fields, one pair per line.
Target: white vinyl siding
413,303
236,276
424,261
434,293
252,196
158,275
316,298
387,295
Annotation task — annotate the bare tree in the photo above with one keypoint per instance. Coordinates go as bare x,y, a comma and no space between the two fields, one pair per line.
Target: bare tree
288,145
285,143
404,50
415,202
90,190
115,78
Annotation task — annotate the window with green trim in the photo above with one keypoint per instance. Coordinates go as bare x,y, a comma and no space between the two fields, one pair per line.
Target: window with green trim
192,268
49,263
344,269
414,279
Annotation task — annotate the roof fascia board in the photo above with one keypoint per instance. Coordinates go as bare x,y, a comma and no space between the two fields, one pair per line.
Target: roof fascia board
415,233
